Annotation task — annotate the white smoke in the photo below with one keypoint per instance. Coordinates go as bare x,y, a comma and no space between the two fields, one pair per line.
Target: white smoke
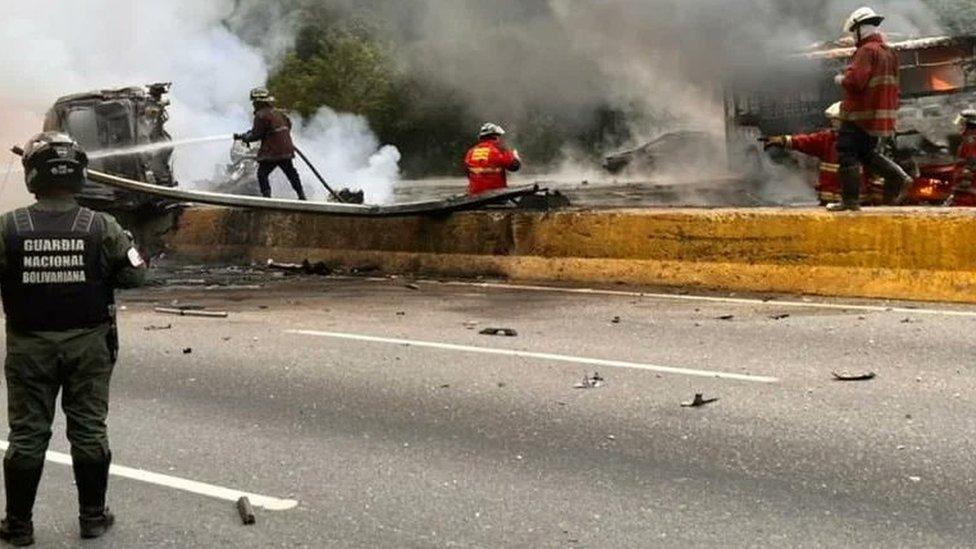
56,47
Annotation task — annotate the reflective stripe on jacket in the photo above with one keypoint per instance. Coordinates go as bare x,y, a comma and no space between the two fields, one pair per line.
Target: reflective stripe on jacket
871,88
487,164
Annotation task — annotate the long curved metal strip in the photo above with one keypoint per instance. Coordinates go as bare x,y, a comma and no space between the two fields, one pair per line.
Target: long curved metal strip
434,207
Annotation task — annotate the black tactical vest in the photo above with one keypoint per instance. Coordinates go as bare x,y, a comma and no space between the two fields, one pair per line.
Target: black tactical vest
55,278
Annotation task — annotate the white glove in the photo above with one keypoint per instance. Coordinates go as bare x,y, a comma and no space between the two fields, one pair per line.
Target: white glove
839,79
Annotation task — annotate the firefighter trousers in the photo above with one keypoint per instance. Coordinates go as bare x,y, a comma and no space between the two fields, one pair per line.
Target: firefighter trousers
265,167
78,364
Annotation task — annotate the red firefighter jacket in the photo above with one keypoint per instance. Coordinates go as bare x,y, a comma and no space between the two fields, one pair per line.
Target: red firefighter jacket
821,145
871,88
487,164
966,156
273,129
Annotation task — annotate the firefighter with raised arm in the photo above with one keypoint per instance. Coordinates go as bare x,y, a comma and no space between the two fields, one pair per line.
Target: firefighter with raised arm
966,156
59,266
821,145
871,90
272,128
487,164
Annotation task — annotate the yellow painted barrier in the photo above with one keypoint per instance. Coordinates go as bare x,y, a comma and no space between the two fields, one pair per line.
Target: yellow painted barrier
915,254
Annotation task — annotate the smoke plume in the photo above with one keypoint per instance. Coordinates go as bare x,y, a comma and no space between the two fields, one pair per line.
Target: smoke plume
57,48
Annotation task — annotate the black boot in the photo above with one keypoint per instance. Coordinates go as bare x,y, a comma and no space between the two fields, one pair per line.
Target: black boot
850,187
92,479
21,485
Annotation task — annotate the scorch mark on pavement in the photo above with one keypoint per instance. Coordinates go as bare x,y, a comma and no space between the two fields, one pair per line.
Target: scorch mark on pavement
192,486
541,356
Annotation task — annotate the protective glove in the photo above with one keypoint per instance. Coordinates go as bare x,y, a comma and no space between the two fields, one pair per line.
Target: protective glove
839,80
779,141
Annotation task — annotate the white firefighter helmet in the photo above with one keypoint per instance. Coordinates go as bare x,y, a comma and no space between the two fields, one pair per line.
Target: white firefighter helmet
261,95
833,112
966,117
862,16
489,130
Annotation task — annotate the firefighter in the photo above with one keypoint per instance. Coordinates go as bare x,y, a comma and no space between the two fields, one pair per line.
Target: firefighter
966,156
487,164
869,113
823,146
273,129
59,266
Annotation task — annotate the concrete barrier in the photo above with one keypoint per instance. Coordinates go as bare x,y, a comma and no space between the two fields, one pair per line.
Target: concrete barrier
914,254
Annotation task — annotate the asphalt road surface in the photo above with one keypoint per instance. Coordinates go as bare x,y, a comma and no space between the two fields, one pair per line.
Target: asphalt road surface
372,413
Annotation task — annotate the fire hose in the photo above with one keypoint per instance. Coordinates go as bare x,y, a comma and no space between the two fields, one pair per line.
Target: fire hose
318,175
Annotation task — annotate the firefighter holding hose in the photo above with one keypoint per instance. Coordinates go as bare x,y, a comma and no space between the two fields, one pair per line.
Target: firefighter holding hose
821,145
272,128
59,266
871,89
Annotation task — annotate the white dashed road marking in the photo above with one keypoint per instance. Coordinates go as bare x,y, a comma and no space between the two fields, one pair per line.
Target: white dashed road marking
542,356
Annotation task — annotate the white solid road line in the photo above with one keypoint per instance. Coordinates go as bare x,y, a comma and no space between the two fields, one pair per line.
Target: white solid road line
696,298
541,356
203,489
717,299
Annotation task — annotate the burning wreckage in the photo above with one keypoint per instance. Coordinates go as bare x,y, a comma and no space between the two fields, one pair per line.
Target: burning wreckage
938,81
140,185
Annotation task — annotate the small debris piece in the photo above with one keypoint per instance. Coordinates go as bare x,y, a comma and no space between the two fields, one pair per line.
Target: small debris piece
158,328
590,382
846,376
615,320
245,510
471,324
725,317
611,437
501,384
507,332
187,350
446,386
401,313
698,401
915,479
191,312
186,282
783,316
305,267
411,287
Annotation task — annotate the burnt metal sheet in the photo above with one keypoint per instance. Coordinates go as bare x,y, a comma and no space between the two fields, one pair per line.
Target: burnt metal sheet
433,207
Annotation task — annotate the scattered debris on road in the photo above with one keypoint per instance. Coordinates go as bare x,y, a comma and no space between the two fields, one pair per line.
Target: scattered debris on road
590,382
725,317
153,328
783,316
615,320
412,287
506,332
187,350
305,267
847,376
246,511
698,401
191,312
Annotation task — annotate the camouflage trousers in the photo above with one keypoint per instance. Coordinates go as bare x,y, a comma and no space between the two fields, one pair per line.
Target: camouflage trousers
77,364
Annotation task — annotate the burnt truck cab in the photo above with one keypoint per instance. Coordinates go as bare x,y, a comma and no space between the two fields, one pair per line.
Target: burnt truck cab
938,81
115,119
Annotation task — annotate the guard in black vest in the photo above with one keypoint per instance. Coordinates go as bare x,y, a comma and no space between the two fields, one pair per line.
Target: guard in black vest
59,266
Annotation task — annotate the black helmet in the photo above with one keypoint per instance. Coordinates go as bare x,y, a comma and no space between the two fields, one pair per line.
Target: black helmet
52,160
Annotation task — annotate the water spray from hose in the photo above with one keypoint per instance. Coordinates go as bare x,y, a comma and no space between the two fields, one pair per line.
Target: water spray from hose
156,147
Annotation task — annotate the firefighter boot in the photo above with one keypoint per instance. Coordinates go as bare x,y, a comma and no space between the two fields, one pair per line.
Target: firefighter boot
21,486
850,185
92,479
897,182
